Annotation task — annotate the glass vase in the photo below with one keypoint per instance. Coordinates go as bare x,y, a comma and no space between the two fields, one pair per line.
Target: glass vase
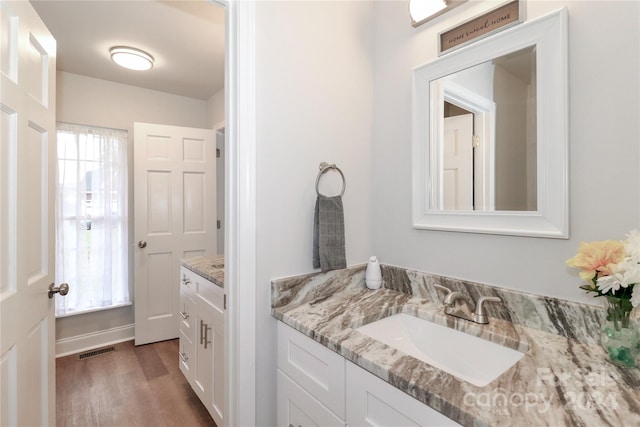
620,335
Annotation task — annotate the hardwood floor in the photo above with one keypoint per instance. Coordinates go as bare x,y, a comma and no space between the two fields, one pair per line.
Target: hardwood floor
130,387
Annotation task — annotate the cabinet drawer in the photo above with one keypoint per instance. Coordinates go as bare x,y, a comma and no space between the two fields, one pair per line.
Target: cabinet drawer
198,288
296,407
186,353
374,402
317,369
187,281
210,293
186,316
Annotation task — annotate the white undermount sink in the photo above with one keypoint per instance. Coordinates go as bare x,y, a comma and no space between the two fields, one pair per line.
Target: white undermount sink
469,358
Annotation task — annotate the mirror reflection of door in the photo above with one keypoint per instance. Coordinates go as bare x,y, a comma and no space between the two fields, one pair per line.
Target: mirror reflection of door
458,162
500,95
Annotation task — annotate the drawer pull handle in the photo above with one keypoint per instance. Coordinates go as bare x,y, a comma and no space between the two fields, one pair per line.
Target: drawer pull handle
183,357
184,315
202,326
185,280
206,335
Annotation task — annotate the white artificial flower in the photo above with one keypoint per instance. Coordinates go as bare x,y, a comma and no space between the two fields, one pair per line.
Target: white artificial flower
632,245
623,274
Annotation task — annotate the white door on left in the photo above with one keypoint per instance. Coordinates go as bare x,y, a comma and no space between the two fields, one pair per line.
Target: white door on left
27,177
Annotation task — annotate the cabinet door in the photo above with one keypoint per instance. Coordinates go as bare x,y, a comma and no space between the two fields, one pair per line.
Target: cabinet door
374,402
297,408
209,365
217,387
203,365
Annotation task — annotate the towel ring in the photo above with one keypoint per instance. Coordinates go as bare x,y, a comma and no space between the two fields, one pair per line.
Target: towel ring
324,167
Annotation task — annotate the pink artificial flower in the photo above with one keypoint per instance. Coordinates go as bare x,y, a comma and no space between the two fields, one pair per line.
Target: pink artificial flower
596,258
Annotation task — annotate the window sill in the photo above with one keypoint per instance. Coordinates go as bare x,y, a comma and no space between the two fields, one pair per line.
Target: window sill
93,310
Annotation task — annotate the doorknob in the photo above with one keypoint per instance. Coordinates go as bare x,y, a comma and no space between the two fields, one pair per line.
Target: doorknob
142,244
63,289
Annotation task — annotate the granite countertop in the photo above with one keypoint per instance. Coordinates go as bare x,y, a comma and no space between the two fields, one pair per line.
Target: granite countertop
211,267
558,382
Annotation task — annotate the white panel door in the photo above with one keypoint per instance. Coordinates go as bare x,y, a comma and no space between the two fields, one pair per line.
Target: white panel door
175,218
458,163
27,177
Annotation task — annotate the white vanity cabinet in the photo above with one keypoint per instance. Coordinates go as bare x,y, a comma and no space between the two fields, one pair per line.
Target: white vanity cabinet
318,387
201,327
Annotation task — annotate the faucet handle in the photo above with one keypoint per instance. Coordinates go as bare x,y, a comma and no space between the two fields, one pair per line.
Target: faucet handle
479,316
444,289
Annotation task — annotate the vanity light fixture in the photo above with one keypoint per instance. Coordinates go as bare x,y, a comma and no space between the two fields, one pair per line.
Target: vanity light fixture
422,11
131,58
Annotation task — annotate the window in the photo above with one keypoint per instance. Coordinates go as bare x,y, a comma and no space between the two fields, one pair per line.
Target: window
91,218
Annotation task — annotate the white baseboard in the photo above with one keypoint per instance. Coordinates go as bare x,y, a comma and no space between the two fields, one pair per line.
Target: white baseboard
84,342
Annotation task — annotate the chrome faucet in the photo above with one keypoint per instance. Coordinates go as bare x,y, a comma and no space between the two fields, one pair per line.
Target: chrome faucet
468,309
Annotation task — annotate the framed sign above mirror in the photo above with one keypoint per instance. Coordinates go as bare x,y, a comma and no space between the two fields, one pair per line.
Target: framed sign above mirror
490,134
498,19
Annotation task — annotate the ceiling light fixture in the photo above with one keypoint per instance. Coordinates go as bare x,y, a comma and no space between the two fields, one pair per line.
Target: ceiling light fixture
422,11
131,58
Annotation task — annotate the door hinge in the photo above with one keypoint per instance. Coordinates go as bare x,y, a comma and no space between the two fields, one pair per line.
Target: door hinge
218,153
224,303
218,224
475,141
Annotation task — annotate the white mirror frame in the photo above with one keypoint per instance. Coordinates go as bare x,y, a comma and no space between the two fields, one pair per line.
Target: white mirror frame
551,219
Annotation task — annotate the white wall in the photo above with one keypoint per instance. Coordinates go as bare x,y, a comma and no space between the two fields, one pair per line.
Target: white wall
511,141
604,132
95,102
215,109
314,103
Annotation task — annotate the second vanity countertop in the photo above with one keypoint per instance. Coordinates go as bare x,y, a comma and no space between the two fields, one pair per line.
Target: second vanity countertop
558,382
211,267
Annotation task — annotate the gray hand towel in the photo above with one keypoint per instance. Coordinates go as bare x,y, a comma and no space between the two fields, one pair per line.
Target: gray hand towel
328,234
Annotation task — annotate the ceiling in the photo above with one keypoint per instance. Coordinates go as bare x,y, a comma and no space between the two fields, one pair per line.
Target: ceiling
186,39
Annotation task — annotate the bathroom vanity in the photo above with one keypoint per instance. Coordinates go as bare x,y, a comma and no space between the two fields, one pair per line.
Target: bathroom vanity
202,306
330,373
317,385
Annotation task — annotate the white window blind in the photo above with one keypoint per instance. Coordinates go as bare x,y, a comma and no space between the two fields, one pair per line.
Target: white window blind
91,218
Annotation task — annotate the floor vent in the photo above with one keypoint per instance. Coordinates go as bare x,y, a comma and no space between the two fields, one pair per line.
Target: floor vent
94,353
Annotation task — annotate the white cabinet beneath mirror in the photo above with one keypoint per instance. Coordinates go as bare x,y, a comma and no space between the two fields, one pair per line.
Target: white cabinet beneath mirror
318,387
490,134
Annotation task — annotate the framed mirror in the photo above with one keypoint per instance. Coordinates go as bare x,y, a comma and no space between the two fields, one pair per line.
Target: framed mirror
490,134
